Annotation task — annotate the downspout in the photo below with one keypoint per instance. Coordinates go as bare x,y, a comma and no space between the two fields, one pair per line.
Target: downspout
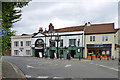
84,38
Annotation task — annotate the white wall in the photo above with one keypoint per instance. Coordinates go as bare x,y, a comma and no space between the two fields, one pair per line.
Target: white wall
65,38
19,39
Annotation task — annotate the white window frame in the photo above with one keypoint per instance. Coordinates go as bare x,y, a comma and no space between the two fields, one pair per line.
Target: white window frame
21,42
72,44
16,43
28,43
92,38
28,52
16,52
105,38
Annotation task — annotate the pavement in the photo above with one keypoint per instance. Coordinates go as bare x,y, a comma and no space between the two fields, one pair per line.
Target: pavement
0,69
10,71
39,68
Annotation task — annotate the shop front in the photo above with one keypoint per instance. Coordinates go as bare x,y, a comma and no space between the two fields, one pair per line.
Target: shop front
99,50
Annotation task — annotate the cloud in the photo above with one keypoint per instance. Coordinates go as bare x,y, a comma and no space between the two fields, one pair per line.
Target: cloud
65,14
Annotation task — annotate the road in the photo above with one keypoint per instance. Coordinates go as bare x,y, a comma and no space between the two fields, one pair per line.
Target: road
45,68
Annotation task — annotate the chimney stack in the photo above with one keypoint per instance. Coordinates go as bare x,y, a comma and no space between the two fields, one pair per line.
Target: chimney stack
41,29
88,24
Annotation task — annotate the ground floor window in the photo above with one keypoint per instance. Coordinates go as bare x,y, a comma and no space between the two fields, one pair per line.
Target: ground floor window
16,52
99,52
28,52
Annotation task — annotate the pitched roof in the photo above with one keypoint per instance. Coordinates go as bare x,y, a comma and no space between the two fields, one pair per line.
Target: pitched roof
100,28
70,29
91,29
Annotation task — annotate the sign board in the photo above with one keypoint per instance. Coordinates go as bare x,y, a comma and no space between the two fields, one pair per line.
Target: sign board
3,32
38,47
40,54
79,50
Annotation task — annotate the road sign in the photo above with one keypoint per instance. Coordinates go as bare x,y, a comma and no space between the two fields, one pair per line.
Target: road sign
3,32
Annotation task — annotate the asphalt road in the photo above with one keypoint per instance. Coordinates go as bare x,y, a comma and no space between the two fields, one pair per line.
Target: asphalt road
45,68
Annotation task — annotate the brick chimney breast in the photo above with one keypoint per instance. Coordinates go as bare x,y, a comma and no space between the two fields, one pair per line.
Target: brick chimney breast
51,28
40,29
88,24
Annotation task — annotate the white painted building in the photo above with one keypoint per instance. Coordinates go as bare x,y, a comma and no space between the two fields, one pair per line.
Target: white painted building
71,38
21,45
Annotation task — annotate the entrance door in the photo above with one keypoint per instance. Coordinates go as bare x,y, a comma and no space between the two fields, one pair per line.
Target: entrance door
39,53
21,52
72,52
52,55
39,48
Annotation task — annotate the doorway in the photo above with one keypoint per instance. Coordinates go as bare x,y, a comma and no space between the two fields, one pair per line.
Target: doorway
38,51
72,53
21,52
52,54
39,48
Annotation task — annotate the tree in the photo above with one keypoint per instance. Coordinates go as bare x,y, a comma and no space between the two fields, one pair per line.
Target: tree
10,15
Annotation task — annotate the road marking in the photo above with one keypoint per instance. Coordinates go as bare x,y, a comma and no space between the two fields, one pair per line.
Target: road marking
106,67
28,66
57,77
42,77
103,66
109,67
68,65
28,76
114,69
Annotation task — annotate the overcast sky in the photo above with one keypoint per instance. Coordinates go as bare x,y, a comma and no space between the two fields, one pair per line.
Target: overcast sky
65,14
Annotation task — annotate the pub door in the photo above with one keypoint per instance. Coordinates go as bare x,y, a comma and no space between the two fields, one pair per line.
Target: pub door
72,53
38,52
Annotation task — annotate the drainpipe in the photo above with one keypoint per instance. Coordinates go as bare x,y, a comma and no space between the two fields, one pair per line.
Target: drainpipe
84,36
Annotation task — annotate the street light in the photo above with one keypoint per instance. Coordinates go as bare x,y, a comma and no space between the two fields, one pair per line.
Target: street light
45,45
57,38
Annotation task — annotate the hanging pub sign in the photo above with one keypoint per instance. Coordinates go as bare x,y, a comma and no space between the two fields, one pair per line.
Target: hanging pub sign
39,47
79,50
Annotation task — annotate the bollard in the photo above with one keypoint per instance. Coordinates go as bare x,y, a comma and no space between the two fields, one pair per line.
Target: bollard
91,57
107,58
100,57
79,58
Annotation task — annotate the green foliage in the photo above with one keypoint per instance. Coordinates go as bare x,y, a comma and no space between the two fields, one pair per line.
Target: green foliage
10,15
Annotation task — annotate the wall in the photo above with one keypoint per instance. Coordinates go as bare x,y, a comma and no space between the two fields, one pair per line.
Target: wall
98,40
65,38
24,39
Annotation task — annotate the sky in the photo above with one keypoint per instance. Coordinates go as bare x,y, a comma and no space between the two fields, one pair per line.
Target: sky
64,13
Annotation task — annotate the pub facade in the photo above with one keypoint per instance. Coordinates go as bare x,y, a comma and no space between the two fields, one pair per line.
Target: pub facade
58,43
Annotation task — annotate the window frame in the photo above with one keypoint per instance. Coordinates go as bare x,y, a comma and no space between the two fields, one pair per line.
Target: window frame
16,52
16,43
72,44
105,38
28,52
28,43
92,39
61,43
21,43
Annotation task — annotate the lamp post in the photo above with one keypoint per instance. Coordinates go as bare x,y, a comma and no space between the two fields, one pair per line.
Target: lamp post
57,38
45,45
0,38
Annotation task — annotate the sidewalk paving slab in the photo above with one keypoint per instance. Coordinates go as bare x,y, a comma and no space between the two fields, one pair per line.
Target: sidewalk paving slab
11,72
